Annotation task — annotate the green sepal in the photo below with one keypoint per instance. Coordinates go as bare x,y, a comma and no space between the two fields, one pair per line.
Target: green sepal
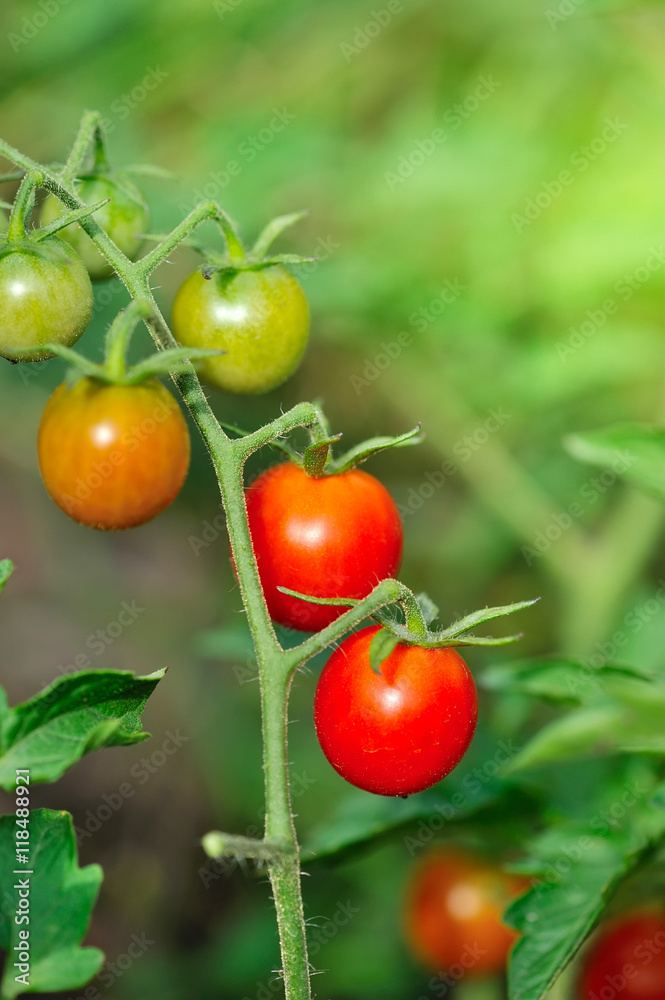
380,648
316,456
417,611
355,456
175,359
150,170
66,220
6,570
272,231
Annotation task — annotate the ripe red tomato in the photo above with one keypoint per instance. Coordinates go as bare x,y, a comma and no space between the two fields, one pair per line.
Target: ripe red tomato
113,456
452,913
401,730
627,959
337,536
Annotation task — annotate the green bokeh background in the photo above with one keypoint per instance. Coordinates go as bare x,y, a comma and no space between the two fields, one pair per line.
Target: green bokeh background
502,238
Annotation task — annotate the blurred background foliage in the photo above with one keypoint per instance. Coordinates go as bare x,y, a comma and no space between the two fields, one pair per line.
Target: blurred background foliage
489,260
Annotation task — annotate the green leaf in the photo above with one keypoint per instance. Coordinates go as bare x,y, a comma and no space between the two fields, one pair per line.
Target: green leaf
360,819
6,570
61,899
380,648
578,873
622,714
559,680
634,451
73,716
556,917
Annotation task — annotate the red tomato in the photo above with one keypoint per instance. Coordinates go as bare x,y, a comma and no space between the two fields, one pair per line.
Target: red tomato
113,456
453,910
627,960
401,730
337,536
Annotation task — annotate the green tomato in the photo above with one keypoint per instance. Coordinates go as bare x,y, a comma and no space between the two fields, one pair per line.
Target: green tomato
260,318
45,297
124,218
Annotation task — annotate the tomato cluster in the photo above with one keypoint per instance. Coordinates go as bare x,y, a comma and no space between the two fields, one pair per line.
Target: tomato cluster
114,451
392,732
453,913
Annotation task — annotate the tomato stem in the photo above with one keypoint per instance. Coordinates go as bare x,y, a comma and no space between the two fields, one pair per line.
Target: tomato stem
23,205
119,335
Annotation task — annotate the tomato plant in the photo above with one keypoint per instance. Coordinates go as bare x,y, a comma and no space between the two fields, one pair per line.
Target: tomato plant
260,318
395,707
113,456
45,297
332,536
453,912
398,730
626,959
124,217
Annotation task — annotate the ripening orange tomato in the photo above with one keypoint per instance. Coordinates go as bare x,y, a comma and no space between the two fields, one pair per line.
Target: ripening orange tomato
113,456
453,910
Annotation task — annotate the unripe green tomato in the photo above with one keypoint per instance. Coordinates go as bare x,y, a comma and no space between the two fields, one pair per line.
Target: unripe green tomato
260,318
45,297
124,218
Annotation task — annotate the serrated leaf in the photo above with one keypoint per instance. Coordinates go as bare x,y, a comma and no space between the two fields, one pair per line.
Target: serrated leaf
62,896
636,452
557,914
73,716
380,648
6,570
555,919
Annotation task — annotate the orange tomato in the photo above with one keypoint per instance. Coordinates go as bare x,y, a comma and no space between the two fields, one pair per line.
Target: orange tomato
113,456
452,915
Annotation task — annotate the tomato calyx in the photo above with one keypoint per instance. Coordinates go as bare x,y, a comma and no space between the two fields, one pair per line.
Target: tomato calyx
18,235
237,258
114,369
408,623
